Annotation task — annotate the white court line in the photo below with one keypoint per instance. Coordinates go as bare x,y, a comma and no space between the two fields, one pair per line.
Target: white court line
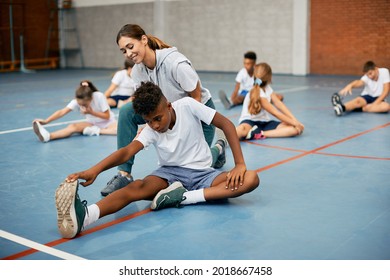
38,246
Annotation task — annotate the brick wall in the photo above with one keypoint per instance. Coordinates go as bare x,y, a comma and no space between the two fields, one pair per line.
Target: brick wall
344,34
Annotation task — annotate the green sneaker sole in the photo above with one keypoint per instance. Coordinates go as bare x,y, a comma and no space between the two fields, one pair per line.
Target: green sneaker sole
66,213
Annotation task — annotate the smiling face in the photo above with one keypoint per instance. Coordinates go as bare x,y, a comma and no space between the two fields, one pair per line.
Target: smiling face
161,119
133,49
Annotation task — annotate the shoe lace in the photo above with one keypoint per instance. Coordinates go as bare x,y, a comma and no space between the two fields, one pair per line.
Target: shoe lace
113,179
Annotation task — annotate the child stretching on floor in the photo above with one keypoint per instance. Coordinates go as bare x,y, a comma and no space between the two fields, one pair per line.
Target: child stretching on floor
90,102
184,175
255,121
376,82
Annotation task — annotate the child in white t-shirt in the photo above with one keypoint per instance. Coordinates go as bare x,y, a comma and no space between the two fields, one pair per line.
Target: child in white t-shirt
89,102
244,83
376,82
122,86
184,176
259,107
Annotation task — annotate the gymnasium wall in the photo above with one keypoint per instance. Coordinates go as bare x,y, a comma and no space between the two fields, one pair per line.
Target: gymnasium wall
347,33
213,34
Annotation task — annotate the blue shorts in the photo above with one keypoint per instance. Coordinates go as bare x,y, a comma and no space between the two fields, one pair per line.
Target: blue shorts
270,125
119,97
192,179
369,99
244,92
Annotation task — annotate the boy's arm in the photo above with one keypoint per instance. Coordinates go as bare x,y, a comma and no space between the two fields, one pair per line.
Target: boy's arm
348,88
118,157
384,94
235,177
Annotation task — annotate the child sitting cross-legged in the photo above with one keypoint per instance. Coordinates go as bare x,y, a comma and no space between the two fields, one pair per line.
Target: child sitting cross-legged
184,176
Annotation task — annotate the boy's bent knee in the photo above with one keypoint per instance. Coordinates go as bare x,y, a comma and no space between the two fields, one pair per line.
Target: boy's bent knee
252,180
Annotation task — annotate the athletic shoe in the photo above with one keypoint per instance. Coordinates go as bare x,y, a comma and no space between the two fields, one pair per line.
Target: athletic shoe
255,133
117,182
91,131
221,160
224,99
71,210
169,197
337,104
41,132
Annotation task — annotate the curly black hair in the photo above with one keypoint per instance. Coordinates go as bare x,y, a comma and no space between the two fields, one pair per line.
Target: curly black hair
147,98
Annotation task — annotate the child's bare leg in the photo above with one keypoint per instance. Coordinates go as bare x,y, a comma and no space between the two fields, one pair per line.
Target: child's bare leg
358,102
242,130
145,189
110,130
69,130
111,102
282,130
382,107
219,190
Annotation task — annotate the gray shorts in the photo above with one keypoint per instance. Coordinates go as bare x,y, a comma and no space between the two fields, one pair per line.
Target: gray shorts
192,179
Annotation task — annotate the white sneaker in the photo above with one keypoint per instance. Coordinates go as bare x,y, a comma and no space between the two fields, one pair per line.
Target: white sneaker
91,131
41,132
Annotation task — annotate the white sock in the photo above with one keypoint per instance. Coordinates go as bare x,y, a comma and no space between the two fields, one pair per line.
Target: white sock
219,148
193,197
92,215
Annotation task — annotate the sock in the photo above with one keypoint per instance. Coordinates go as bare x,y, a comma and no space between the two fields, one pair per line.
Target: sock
193,197
219,148
342,106
92,215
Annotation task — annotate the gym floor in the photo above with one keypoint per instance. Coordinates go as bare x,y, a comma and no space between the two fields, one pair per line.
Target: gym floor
323,195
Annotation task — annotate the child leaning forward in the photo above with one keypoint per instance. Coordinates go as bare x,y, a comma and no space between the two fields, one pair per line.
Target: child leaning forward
184,176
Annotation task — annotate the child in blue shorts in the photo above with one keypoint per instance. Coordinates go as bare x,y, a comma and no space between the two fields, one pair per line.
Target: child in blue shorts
376,82
184,157
259,107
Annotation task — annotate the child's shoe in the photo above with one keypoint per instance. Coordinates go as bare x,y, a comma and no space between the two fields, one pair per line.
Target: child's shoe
224,99
91,131
169,197
41,132
71,210
337,104
255,133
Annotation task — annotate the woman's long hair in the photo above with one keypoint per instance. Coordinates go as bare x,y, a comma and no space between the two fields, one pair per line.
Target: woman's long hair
136,32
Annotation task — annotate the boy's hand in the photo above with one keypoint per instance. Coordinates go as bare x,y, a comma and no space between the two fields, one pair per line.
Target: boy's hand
235,178
347,89
87,175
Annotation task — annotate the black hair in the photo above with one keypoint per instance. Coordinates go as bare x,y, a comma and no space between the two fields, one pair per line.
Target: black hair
147,98
128,64
250,55
369,65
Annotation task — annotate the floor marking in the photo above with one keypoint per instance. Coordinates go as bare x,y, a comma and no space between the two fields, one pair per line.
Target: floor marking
38,246
139,213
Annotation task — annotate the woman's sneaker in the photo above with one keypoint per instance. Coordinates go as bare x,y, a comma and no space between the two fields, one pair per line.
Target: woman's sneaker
337,104
41,132
71,210
169,197
117,182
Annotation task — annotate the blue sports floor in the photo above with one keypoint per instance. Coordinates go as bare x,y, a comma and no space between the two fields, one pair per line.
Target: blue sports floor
324,195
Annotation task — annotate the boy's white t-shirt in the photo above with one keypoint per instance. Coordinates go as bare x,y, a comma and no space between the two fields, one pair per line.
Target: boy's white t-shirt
184,145
375,88
263,115
98,104
246,81
125,83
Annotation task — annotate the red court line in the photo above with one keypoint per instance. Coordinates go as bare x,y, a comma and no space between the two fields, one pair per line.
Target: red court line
317,153
321,148
86,232
139,213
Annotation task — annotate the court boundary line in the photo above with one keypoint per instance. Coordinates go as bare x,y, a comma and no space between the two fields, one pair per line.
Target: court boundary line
145,211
